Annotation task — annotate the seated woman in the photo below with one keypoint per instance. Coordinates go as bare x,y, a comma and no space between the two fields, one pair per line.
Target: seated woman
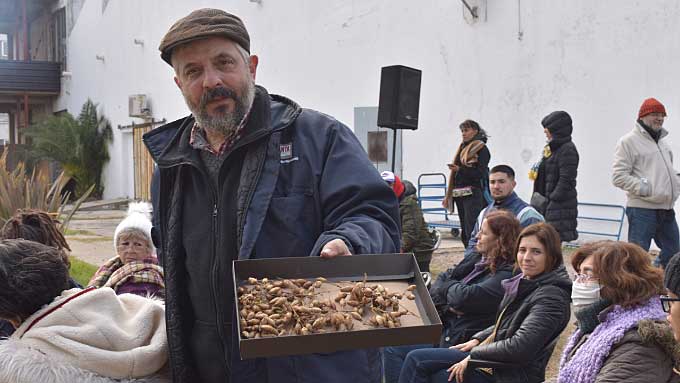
532,314
38,226
74,335
135,269
619,336
468,295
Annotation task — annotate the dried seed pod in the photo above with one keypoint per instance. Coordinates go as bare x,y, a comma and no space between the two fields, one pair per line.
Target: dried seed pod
342,302
307,284
263,306
253,321
241,290
380,319
245,334
244,313
266,329
390,323
287,317
300,282
260,315
410,296
380,288
318,323
315,310
243,323
353,303
304,331
275,291
373,321
251,315
355,315
275,316
318,284
252,281
278,284
411,288
321,279
368,292
346,289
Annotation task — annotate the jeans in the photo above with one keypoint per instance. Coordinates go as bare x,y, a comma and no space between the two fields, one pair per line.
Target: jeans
430,364
658,224
393,360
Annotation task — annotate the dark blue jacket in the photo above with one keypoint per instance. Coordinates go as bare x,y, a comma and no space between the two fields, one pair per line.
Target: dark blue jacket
304,181
524,212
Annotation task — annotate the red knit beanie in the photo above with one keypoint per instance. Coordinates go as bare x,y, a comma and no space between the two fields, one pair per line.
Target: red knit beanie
398,186
651,105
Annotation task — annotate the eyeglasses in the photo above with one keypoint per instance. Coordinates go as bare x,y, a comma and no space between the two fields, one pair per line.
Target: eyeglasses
584,278
666,302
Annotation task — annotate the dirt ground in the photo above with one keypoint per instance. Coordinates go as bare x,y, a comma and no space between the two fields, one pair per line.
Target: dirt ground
90,236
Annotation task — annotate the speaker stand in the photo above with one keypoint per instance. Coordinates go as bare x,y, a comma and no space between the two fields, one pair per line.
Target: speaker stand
394,147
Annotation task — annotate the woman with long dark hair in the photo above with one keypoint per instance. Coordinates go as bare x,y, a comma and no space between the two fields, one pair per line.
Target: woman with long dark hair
468,179
531,316
467,295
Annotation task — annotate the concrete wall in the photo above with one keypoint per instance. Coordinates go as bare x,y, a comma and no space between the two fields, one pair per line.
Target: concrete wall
595,59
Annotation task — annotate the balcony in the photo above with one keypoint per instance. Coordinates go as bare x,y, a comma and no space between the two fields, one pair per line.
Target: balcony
32,77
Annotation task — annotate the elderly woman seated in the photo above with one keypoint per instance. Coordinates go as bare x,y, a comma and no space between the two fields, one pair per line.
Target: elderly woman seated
135,268
620,335
74,335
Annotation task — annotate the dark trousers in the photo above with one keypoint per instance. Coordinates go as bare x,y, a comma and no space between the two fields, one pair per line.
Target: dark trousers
393,360
468,209
658,224
428,365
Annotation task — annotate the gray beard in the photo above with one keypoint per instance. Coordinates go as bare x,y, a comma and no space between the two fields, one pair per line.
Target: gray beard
224,122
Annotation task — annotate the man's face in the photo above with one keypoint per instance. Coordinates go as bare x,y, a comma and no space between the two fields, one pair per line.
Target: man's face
653,120
217,83
501,185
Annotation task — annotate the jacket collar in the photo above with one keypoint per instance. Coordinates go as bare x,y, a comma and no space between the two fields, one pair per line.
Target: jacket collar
509,200
169,144
641,130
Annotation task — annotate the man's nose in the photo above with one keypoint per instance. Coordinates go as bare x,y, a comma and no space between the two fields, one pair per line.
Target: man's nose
212,79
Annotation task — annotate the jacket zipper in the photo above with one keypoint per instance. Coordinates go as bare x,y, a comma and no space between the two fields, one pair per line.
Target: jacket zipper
670,175
213,273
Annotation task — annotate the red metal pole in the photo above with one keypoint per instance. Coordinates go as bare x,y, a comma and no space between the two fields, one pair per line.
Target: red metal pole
24,23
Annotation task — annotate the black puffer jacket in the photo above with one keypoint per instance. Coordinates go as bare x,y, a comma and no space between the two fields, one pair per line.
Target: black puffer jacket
529,322
477,299
556,179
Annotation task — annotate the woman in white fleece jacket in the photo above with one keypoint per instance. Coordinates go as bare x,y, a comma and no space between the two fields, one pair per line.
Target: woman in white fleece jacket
75,335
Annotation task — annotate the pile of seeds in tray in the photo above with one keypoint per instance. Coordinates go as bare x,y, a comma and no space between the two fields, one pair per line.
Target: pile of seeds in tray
295,307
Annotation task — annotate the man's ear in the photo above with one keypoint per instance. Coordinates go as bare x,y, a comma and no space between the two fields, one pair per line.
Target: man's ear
252,65
179,85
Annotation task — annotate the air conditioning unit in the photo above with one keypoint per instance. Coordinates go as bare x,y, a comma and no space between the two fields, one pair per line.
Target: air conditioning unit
138,106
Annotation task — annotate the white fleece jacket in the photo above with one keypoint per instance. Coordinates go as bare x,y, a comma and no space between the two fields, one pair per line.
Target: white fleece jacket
638,158
88,335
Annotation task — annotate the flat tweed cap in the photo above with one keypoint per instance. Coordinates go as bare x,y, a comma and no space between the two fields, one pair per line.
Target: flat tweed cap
202,23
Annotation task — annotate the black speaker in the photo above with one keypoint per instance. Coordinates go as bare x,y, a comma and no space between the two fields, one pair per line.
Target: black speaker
399,97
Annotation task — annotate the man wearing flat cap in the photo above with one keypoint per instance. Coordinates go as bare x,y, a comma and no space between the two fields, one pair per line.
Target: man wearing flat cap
250,175
643,168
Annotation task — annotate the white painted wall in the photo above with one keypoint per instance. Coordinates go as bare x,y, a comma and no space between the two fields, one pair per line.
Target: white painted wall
595,59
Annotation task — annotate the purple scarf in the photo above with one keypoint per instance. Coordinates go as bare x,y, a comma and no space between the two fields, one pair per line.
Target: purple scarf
511,285
587,361
480,267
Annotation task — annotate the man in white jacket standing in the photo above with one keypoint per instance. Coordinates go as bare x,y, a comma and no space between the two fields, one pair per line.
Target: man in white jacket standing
643,168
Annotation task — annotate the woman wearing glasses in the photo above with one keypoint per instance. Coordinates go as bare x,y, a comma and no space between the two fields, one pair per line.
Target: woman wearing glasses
620,335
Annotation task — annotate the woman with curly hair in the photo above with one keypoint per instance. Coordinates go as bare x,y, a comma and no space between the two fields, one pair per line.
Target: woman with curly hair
621,335
531,316
467,295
